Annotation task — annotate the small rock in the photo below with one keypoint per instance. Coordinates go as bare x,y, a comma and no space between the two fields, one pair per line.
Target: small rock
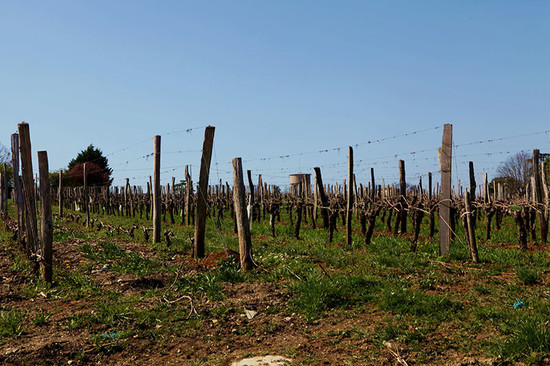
263,361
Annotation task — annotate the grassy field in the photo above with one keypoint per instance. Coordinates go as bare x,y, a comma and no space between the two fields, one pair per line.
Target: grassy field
120,300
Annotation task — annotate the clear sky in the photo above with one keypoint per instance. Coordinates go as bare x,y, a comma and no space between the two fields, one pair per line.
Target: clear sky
278,78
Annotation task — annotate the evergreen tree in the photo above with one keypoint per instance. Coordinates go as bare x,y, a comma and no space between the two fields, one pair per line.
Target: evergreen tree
98,167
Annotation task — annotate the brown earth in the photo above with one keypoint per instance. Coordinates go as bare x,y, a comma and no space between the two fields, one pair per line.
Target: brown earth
274,330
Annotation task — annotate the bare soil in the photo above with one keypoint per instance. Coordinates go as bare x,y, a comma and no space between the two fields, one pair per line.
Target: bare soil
273,330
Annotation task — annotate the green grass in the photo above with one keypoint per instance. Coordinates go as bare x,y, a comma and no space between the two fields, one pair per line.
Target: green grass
529,337
409,298
12,323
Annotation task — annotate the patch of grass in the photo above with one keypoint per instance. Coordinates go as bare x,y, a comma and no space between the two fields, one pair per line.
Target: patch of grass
12,323
207,283
77,321
530,337
229,271
118,260
401,300
528,275
482,289
41,318
77,285
317,294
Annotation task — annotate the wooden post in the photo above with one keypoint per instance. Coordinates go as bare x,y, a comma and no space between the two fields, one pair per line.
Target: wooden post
60,193
243,228
17,186
445,155
251,203
431,206
188,196
202,203
29,198
315,198
543,219
46,223
156,191
486,197
472,181
323,196
373,191
472,190
86,199
349,207
471,227
403,197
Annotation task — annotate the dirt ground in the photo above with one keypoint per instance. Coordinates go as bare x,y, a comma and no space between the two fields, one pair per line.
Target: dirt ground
274,330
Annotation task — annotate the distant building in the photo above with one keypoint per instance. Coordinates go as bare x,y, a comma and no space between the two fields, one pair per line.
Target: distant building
300,183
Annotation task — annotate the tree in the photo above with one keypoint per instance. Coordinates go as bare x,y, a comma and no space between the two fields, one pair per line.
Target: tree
98,167
516,172
5,159
5,155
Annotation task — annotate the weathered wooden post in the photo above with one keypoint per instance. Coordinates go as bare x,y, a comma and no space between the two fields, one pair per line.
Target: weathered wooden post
251,203
156,191
486,197
46,224
431,206
541,212
403,197
188,196
471,227
445,154
200,222
349,206
60,193
86,199
315,200
17,186
323,196
29,198
243,228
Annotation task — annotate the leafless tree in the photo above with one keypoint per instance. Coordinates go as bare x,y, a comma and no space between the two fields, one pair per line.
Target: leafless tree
516,172
5,155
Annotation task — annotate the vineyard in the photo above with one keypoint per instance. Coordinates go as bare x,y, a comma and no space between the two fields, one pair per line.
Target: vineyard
345,273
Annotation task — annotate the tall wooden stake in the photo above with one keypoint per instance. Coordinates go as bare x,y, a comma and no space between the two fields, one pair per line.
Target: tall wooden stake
403,197
323,196
445,155
29,197
188,196
202,196
86,199
349,207
243,228
541,212
251,203
46,223
471,227
17,186
60,193
156,191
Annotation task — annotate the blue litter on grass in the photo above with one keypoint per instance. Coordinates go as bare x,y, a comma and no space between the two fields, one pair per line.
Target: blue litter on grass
111,335
518,303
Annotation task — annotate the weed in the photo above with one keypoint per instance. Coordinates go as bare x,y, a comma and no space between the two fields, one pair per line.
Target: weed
528,336
316,293
401,300
11,323
528,275
41,318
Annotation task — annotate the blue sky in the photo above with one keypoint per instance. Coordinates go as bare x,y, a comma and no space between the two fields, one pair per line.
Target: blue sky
277,78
